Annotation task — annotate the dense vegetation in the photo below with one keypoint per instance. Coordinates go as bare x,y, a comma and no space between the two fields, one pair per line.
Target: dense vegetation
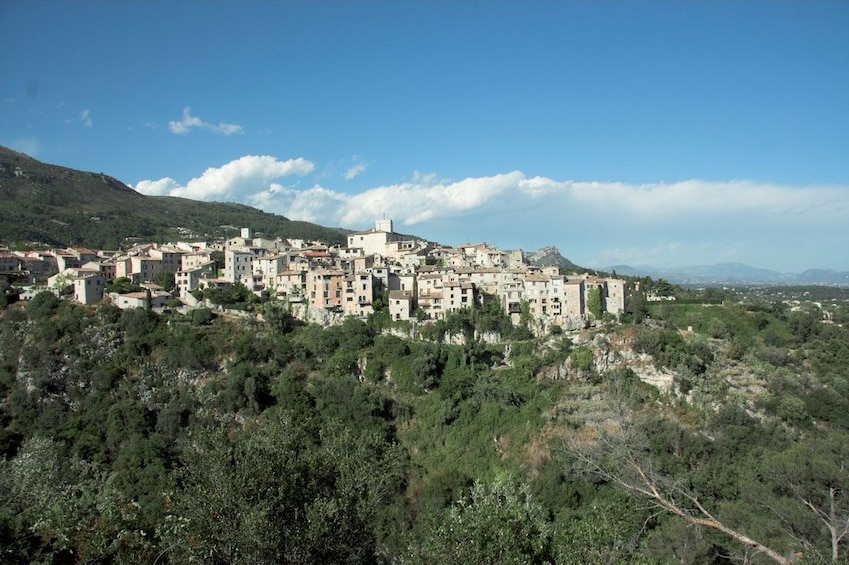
129,436
61,207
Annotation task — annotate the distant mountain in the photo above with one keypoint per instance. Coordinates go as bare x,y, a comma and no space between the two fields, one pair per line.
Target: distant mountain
548,256
633,271
60,206
826,276
734,273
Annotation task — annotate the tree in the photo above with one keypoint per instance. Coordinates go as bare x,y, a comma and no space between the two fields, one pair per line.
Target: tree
807,487
279,493
42,305
662,287
637,306
594,302
495,523
71,506
202,316
615,459
122,285
165,280
582,358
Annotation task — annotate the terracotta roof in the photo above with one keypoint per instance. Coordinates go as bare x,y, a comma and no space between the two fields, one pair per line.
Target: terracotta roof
135,295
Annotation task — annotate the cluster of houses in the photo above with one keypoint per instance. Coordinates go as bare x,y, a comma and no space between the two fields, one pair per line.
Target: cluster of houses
422,280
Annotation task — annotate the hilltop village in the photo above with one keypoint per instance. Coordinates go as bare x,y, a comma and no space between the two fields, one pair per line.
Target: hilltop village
421,280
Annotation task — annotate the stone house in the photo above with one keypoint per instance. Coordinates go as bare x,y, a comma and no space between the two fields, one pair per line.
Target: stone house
614,300
88,287
458,295
359,295
268,267
324,288
238,265
401,304
188,280
290,285
374,241
155,298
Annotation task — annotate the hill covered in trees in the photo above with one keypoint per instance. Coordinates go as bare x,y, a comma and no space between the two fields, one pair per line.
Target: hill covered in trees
130,436
63,207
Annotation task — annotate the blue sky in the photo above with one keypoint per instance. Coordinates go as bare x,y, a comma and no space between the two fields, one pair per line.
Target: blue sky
643,133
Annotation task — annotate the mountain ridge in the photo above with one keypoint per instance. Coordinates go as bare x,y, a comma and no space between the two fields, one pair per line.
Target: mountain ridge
57,205
550,255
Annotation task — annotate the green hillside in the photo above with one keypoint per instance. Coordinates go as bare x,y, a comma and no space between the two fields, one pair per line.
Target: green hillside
137,437
55,205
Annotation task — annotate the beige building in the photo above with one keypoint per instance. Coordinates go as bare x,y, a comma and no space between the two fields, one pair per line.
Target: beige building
573,293
195,259
358,295
84,286
88,288
66,260
170,259
291,285
401,304
106,268
141,299
614,300
238,265
268,267
324,288
188,280
435,281
458,295
374,241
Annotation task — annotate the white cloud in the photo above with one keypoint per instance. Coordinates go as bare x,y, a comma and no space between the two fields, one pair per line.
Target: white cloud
237,180
189,122
316,204
656,223
84,118
355,170
161,187
425,198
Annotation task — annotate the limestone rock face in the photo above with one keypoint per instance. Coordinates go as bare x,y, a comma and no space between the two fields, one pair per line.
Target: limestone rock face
550,255
320,316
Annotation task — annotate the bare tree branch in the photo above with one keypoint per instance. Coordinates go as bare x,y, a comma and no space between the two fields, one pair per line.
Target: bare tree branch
640,479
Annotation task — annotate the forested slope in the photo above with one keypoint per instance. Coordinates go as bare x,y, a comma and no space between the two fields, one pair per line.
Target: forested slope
130,436
58,206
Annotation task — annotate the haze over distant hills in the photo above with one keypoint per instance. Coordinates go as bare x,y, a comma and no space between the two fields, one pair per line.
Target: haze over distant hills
733,273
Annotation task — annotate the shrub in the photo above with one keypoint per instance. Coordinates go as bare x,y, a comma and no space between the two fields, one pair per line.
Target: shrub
202,316
582,358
